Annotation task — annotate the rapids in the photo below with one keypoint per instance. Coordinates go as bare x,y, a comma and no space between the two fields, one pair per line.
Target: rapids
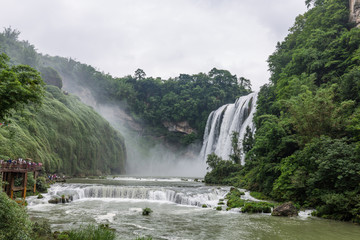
177,212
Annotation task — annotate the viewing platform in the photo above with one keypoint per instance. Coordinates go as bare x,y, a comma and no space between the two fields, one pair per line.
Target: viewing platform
18,170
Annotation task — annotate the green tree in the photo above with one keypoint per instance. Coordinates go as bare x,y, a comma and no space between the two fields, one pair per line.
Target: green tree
51,76
19,85
14,222
139,74
236,149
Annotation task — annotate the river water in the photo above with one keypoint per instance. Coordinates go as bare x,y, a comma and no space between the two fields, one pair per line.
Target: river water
177,212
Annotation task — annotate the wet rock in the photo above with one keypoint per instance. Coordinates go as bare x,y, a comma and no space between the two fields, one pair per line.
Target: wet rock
54,200
63,199
286,210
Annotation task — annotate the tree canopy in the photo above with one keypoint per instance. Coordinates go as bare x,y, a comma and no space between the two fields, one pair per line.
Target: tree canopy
19,85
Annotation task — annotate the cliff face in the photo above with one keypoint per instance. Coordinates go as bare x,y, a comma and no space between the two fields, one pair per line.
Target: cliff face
181,127
355,11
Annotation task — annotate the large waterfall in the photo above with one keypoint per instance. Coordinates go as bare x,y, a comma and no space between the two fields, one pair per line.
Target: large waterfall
224,121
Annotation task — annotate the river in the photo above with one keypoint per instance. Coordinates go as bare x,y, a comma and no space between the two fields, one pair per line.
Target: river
178,212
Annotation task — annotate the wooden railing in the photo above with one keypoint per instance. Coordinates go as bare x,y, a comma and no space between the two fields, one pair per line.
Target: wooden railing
20,167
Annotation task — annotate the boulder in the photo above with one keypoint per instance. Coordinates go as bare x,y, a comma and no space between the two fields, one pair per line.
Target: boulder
286,210
54,200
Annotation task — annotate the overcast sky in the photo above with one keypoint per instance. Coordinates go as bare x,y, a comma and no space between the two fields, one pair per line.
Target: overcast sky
162,37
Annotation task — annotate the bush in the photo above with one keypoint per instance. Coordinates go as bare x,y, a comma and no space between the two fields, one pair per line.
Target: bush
258,195
223,171
257,207
234,198
41,230
218,208
146,211
91,232
41,185
14,222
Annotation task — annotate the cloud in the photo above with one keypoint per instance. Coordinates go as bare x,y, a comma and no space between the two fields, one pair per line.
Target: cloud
163,37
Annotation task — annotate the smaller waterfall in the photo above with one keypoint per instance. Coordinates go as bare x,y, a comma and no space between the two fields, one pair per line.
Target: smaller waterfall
222,122
178,195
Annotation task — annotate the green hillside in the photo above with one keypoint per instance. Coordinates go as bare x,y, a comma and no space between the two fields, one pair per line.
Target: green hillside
66,135
306,148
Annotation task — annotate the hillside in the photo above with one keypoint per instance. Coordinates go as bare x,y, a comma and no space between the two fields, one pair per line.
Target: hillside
306,146
66,135
174,109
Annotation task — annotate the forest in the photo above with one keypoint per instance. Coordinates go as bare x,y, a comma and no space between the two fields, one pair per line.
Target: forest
306,148
150,101
46,125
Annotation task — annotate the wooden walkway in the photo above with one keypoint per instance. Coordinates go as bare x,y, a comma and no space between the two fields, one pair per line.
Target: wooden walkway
11,171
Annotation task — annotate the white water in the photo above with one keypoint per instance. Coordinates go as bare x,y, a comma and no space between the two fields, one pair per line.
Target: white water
176,212
165,193
224,121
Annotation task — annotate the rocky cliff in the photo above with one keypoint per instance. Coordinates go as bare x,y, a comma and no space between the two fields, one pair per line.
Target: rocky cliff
355,12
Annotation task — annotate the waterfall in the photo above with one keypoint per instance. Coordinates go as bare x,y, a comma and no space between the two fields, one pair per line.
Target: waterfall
178,195
222,122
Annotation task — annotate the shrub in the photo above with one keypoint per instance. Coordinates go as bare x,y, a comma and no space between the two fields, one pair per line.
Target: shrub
257,207
41,230
218,208
41,185
14,222
258,195
146,211
234,198
91,232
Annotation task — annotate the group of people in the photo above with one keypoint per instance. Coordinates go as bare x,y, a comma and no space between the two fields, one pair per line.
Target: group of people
19,161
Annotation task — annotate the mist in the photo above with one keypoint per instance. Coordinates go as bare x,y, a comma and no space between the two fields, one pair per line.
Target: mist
144,157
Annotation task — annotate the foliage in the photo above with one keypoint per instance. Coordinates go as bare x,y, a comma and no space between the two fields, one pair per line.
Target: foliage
41,230
257,207
248,141
19,85
146,211
236,150
41,185
14,222
66,136
223,171
51,76
151,101
259,195
234,198
300,152
91,232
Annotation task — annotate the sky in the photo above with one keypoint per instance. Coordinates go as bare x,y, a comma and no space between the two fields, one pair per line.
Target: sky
165,38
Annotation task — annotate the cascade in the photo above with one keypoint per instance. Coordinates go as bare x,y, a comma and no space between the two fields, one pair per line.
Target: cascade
178,195
221,123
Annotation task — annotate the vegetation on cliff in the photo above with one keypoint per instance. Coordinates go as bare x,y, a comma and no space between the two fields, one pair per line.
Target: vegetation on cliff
150,101
66,135
307,144
52,127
